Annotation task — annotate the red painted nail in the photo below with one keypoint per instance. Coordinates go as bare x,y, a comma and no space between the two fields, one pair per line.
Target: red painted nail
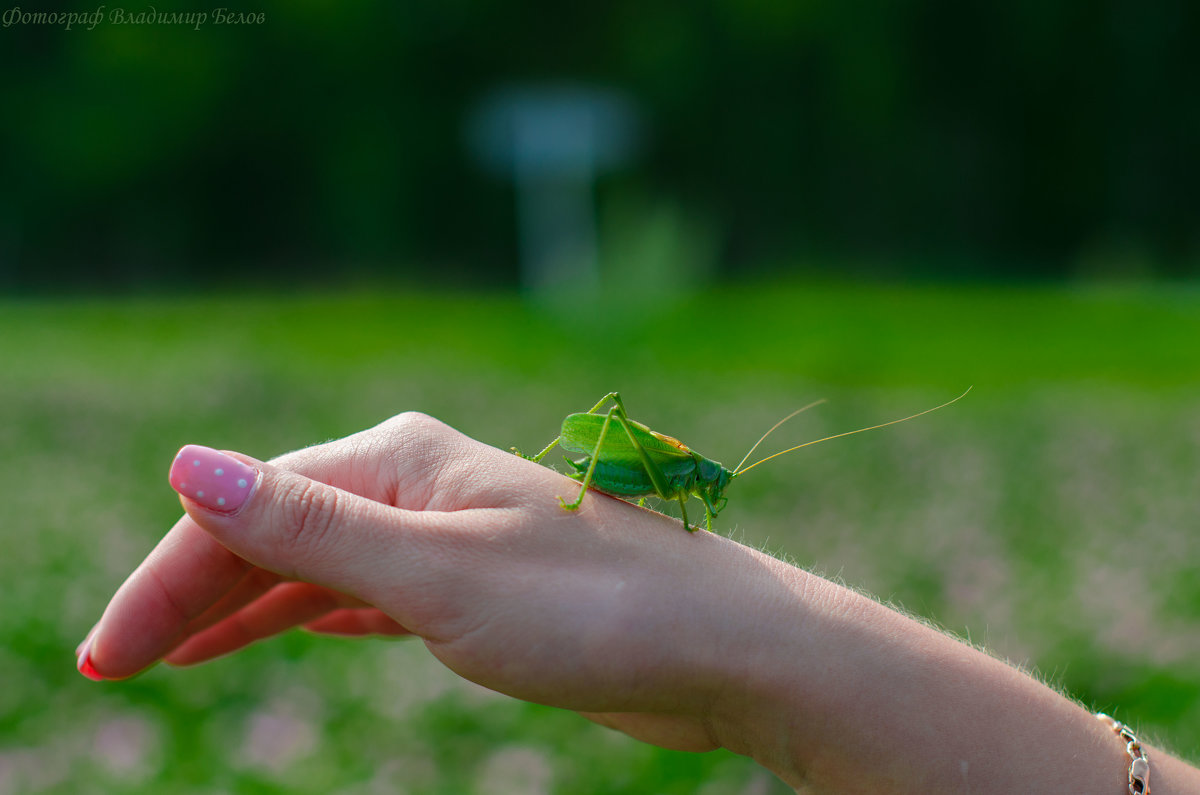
84,663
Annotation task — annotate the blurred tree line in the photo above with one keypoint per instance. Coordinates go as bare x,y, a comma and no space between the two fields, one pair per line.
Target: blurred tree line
951,138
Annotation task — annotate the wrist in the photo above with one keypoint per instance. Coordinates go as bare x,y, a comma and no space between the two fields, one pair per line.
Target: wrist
847,695
775,682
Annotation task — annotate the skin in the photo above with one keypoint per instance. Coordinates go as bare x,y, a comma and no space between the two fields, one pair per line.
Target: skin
688,641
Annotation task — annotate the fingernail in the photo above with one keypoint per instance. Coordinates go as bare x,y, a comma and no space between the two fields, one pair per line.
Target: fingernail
211,478
84,662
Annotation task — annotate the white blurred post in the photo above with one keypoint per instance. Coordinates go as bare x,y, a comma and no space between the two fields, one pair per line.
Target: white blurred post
553,142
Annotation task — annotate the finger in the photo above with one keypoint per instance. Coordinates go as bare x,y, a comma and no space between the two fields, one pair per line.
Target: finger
285,606
357,622
185,575
251,587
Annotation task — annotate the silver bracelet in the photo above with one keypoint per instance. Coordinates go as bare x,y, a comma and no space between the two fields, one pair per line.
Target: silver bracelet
1139,760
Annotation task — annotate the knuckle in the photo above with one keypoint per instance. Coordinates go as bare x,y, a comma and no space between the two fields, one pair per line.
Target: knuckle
414,439
410,423
419,457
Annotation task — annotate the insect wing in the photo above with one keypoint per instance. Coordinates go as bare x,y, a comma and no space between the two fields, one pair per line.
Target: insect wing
580,432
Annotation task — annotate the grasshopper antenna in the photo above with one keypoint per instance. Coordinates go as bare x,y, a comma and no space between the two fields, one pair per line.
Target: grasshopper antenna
740,471
750,452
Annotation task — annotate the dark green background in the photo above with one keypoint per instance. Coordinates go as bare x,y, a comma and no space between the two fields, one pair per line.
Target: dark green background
927,137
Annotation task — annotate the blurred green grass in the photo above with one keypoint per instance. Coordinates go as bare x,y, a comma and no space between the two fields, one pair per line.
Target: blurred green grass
1051,515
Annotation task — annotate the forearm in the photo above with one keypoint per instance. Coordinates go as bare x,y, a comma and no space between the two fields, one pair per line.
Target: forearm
854,697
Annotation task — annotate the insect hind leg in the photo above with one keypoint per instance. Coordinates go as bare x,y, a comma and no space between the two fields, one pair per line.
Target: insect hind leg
537,457
615,397
587,476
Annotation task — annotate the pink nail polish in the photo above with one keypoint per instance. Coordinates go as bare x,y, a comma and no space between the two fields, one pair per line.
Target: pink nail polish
211,478
84,662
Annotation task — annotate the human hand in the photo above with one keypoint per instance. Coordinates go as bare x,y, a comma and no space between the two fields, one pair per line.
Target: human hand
411,527
686,640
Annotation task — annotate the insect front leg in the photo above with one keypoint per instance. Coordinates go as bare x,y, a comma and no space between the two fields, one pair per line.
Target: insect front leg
710,510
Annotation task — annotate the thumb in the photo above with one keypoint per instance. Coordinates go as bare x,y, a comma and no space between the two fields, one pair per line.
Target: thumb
292,525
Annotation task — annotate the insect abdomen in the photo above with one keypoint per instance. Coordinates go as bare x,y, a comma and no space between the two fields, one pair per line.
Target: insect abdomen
624,480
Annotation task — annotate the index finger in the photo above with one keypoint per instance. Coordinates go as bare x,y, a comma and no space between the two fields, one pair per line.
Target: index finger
186,573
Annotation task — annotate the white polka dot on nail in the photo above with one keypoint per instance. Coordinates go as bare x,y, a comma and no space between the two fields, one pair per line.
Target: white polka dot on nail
218,472
195,462
220,500
241,483
199,495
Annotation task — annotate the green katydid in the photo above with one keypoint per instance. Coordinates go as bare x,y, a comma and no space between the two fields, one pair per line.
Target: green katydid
624,458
